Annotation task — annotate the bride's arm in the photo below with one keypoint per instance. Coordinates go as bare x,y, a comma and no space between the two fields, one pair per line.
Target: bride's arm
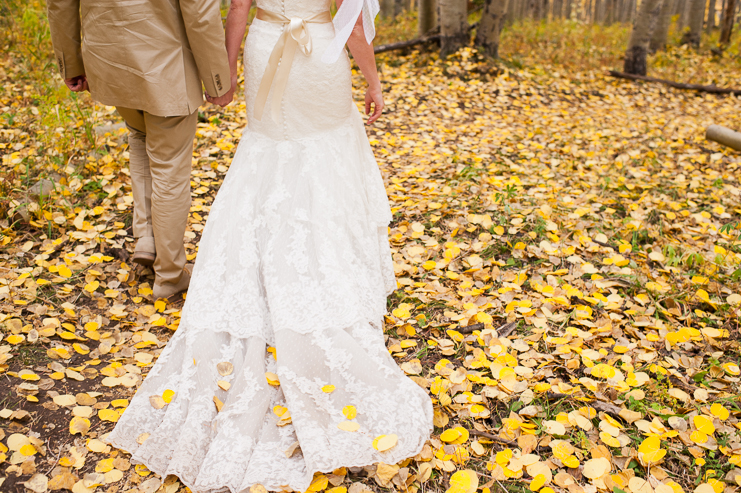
236,24
362,53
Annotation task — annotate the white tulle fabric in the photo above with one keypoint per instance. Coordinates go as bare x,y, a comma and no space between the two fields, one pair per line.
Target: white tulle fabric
294,257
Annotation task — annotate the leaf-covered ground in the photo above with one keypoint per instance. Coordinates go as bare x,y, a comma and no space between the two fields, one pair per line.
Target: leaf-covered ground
566,247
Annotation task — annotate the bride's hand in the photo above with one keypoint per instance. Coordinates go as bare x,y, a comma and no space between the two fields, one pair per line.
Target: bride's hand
374,96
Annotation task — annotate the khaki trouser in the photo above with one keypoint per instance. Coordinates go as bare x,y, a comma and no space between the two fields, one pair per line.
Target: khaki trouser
160,155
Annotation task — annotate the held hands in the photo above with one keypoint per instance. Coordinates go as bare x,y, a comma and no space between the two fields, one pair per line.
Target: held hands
374,96
77,84
225,99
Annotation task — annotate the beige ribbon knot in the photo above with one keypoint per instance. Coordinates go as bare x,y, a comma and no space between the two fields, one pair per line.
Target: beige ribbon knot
295,34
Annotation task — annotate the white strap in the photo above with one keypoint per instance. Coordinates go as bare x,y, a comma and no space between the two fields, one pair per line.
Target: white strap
345,20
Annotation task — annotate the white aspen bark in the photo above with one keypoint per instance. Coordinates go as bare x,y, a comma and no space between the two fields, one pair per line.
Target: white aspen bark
387,8
427,16
453,26
661,33
696,18
640,37
710,24
487,33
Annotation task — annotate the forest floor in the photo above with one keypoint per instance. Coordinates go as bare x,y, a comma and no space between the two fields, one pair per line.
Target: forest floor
566,248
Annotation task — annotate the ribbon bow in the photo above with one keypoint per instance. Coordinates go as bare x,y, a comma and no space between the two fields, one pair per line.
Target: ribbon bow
295,34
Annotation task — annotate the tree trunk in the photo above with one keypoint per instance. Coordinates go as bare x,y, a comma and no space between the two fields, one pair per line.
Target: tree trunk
696,18
487,33
610,17
710,24
387,8
626,14
453,26
427,16
684,16
569,8
640,37
510,15
726,24
557,9
711,16
661,32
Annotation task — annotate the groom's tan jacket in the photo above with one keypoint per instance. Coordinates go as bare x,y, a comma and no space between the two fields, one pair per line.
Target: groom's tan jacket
150,55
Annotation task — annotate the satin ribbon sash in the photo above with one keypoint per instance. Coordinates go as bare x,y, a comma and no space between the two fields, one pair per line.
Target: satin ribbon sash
295,34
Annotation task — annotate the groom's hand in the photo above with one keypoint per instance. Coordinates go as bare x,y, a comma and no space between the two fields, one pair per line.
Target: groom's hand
77,84
226,98
221,100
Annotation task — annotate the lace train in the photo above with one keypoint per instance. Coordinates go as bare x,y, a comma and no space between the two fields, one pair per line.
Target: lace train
294,257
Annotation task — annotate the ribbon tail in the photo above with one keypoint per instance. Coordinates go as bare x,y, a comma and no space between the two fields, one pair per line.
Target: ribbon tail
267,79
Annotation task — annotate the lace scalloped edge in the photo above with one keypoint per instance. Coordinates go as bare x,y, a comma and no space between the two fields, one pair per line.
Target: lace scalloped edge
164,472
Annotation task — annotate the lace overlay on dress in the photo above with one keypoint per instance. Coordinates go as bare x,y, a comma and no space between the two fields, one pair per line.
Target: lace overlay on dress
295,257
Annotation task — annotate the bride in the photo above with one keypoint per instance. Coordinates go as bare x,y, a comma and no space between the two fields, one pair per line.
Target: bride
279,367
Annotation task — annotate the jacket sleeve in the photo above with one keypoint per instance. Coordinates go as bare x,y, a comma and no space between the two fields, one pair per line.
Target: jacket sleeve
64,24
205,32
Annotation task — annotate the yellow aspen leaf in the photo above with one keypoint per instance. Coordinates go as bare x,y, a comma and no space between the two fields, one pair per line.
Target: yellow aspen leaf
538,482
104,465
219,405
731,369
571,461
465,481
348,425
108,415
719,411
225,368
272,378
28,450
698,437
79,425
157,401
703,424
383,443
650,451
596,468
402,312
318,484
168,395
450,435
92,286
350,412
328,389
15,339
609,440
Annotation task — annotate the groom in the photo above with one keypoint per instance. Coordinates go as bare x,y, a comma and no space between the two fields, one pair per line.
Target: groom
151,59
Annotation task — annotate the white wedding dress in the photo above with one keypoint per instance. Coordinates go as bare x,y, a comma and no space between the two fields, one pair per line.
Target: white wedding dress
294,261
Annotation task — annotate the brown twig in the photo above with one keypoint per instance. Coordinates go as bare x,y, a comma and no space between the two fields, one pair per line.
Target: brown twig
677,85
503,331
492,437
606,407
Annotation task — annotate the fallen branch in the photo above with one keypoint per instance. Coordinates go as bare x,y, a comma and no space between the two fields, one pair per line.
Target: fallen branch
492,437
724,136
406,44
605,407
503,331
677,85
